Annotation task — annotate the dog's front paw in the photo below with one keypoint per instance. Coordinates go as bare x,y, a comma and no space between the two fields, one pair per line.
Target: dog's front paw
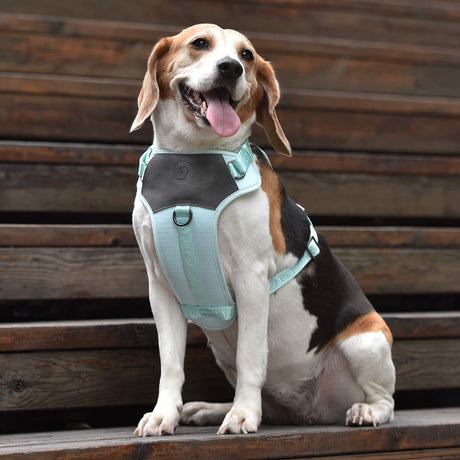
240,421
361,414
157,423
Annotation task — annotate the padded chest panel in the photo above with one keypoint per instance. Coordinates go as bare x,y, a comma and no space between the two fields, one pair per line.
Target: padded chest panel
193,179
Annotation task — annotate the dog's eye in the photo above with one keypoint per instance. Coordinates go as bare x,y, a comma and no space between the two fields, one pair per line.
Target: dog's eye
247,55
200,44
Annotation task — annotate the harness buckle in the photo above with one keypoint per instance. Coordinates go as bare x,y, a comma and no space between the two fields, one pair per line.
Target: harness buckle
234,167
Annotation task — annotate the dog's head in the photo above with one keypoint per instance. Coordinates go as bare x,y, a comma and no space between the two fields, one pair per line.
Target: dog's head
211,79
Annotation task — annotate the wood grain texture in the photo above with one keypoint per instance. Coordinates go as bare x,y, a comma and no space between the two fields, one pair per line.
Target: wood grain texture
430,454
70,153
66,188
141,333
328,161
411,430
103,189
403,271
333,120
373,195
75,47
427,364
96,378
55,273
63,235
101,377
429,325
401,21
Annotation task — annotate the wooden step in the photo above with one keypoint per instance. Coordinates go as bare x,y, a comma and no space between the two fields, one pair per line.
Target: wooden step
119,50
68,177
141,333
102,363
50,106
303,160
418,434
111,189
85,263
428,22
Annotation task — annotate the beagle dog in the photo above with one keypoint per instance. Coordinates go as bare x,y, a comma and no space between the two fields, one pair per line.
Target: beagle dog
313,352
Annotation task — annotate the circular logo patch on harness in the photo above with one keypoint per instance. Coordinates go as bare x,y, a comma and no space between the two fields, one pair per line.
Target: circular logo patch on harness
181,171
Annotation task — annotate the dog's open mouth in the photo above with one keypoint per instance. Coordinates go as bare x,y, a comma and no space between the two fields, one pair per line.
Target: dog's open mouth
216,107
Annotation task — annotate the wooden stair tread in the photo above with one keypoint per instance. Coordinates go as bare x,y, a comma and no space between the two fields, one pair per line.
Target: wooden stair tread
302,160
116,235
103,363
140,332
401,21
414,429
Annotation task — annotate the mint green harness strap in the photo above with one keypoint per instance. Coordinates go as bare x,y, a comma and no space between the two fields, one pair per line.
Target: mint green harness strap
182,217
286,275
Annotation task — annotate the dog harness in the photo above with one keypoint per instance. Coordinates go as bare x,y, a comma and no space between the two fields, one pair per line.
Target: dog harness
185,194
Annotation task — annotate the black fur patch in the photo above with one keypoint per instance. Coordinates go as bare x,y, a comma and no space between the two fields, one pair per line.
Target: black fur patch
333,296
329,290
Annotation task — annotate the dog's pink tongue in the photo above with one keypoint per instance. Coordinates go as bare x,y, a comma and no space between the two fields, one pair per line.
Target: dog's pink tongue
220,114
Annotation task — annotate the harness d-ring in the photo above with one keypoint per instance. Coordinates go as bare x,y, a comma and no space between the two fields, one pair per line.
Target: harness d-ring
183,212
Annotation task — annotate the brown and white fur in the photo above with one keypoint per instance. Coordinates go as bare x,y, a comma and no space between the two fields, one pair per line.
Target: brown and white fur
313,352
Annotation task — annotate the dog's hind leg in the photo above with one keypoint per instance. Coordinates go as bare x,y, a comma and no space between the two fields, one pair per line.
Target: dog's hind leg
369,360
356,382
204,413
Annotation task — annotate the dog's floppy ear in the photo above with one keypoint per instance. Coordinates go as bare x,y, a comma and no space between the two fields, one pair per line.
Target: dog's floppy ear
150,92
265,112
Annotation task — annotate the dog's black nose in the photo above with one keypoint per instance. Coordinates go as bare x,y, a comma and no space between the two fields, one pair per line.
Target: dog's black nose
229,69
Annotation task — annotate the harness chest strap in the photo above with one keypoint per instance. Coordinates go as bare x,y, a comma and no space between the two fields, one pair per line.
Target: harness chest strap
186,232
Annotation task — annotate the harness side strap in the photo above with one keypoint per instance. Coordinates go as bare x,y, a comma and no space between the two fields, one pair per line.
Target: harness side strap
286,275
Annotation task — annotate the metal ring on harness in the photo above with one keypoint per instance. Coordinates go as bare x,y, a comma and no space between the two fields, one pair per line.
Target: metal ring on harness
179,224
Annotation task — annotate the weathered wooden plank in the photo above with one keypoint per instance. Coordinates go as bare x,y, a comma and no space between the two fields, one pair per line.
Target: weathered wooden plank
404,270
292,98
43,235
103,189
86,334
371,163
59,117
312,119
63,235
386,237
430,454
426,364
56,273
82,188
373,195
141,333
411,430
92,378
75,153
429,325
401,21
300,62
354,130
95,378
